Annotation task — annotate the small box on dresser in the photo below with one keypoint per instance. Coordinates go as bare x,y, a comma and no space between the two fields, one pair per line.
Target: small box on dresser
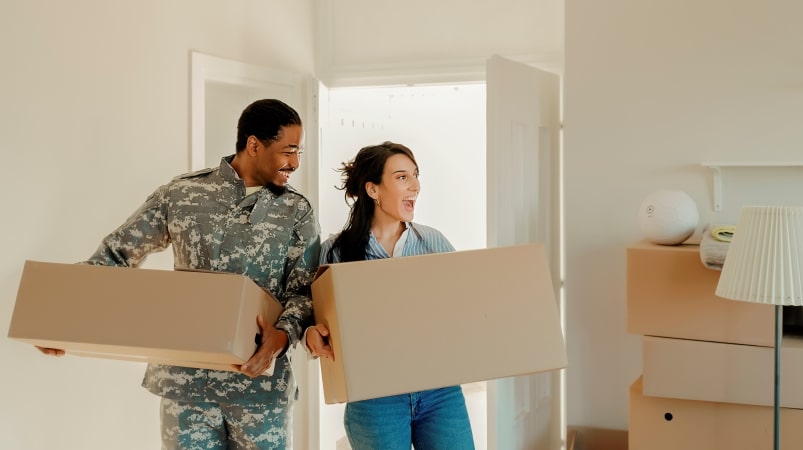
720,372
670,293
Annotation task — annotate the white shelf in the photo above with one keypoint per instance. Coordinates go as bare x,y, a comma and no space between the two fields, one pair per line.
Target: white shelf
716,168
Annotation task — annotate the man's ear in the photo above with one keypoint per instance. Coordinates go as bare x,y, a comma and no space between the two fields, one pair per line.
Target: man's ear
251,145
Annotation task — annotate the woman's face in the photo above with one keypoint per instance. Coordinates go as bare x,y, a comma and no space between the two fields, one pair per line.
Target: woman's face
398,190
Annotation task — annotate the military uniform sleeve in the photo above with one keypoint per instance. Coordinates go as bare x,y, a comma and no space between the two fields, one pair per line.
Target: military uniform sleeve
300,268
144,232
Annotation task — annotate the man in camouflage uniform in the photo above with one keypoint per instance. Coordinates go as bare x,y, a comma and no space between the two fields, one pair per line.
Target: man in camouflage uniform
240,217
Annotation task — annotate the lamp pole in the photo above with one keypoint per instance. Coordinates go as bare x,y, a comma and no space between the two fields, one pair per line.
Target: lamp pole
777,411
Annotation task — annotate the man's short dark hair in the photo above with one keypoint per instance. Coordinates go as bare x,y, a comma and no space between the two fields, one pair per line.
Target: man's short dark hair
264,119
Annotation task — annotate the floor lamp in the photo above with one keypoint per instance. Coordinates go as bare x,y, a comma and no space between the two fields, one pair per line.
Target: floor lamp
764,264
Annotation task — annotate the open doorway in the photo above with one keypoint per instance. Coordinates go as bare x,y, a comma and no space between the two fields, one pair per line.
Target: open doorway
444,125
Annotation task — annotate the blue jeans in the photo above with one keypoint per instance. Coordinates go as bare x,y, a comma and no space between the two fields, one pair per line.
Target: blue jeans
428,420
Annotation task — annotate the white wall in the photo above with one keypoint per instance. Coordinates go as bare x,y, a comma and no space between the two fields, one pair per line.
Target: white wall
652,89
379,42
95,115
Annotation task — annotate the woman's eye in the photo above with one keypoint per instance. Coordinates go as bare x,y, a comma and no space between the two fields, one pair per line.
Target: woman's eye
403,177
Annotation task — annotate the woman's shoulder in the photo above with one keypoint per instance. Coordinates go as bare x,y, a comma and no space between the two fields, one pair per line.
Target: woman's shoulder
330,240
426,230
326,247
436,240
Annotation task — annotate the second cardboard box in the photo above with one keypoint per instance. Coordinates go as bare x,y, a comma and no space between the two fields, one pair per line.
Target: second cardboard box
408,324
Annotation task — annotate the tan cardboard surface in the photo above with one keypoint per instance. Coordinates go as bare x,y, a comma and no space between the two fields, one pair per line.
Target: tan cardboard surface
593,438
407,324
657,423
719,372
194,319
671,294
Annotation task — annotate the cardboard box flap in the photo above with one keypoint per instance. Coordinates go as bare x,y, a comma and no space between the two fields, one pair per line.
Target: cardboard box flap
230,274
321,269
325,310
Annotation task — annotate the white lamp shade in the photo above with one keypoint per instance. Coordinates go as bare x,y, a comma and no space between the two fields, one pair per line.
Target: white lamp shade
764,263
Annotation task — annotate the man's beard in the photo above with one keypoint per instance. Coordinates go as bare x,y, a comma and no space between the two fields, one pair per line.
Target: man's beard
276,189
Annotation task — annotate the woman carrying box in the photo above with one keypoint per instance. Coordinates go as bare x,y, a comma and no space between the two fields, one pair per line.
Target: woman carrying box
382,184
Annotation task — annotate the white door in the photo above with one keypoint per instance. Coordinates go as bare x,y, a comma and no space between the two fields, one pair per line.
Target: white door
323,424
523,143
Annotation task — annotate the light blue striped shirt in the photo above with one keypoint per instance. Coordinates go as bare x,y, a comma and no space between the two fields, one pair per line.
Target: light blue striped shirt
418,240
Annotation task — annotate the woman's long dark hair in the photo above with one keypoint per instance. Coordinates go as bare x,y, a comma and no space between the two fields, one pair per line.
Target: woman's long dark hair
367,166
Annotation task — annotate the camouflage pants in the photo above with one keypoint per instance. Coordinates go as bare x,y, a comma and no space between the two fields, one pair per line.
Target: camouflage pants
212,426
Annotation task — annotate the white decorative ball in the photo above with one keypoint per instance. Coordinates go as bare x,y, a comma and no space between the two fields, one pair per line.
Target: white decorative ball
668,217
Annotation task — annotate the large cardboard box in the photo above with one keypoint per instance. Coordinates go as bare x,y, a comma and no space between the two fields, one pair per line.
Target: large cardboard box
658,423
186,318
670,293
407,324
720,372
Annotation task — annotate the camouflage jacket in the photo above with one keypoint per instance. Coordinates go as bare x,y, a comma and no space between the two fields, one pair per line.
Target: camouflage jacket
212,225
